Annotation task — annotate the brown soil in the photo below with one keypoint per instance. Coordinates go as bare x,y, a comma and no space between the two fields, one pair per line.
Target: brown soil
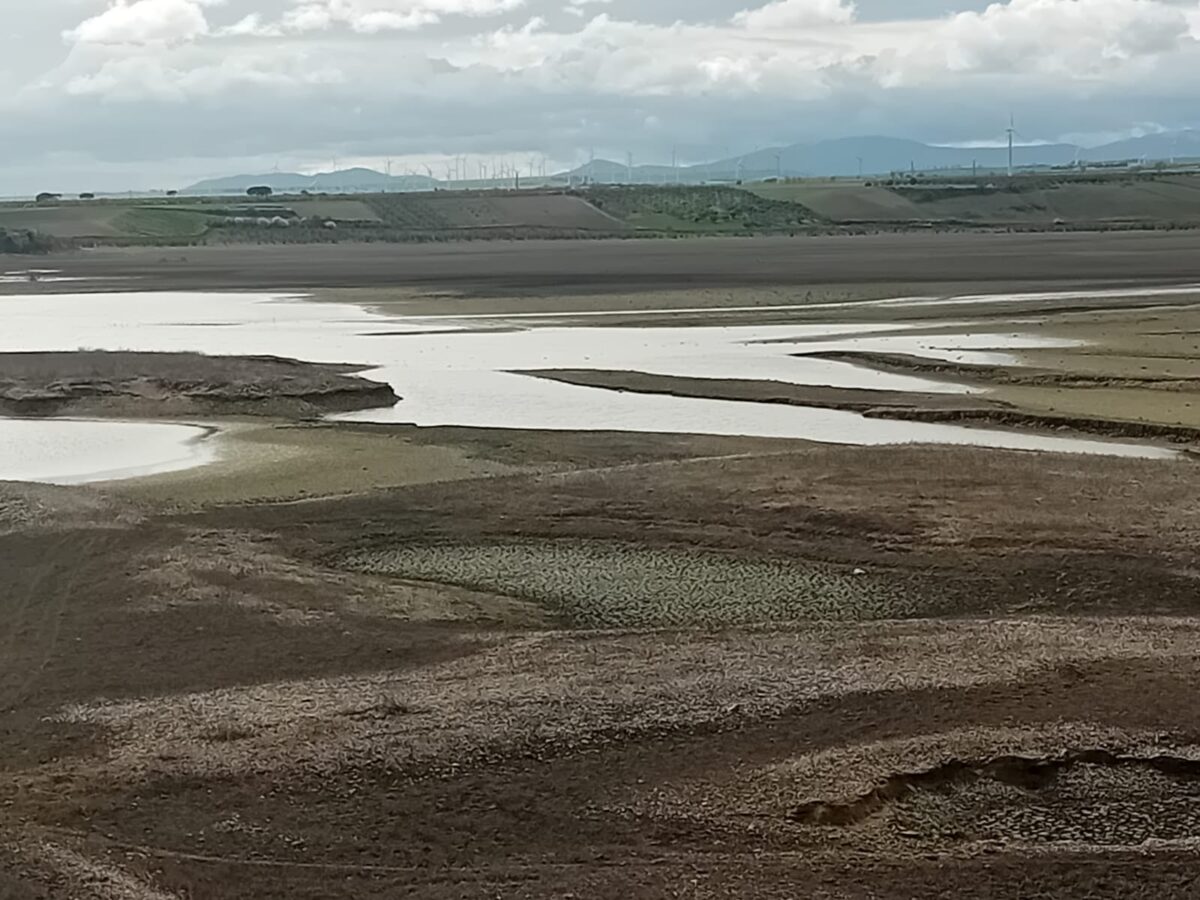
1008,418
126,384
458,663
565,268
1020,375
818,396
209,704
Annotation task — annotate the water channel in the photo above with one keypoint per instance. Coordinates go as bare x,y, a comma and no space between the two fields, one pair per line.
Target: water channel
464,371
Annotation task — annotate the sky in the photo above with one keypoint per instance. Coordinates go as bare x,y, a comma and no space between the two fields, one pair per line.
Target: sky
143,94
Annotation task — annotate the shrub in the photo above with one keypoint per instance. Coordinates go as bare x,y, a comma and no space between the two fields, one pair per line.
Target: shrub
20,241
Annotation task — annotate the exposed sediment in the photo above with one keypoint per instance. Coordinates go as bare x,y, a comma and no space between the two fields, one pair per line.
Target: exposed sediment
102,383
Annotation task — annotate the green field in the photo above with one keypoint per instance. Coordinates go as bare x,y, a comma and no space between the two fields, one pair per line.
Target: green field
492,210
700,210
106,221
64,221
165,223
845,201
800,206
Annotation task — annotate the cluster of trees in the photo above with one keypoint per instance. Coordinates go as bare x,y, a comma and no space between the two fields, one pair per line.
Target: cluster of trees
21,241
49,197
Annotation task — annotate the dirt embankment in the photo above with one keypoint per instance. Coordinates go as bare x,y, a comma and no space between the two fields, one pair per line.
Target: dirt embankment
907,364
907,405
574,268
102,383
860,400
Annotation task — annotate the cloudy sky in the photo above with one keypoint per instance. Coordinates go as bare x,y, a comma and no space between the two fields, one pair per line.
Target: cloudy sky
115,94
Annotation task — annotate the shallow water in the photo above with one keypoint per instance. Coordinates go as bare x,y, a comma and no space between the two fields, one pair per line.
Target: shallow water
76,451
461,372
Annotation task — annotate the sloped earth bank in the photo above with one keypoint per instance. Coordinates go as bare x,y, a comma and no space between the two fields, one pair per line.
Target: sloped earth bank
819,672
123,383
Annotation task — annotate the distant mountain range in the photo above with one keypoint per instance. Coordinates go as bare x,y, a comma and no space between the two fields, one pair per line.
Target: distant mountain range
840,157
883,155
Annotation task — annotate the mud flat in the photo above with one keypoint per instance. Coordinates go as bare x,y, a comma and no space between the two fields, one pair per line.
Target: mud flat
896,262
125,384
372,660
237,698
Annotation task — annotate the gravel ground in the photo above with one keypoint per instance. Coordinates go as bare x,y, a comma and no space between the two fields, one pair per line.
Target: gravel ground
554,690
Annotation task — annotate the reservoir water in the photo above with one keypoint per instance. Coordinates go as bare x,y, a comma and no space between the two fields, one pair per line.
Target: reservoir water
463,371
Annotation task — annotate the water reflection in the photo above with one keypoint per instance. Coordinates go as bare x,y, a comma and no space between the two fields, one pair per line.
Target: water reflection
461,371
76,451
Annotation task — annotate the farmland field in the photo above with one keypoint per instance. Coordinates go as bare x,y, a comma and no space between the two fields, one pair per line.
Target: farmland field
343,210
798,207
1167,200
65,222
699,210
1033,201
842,201
558,212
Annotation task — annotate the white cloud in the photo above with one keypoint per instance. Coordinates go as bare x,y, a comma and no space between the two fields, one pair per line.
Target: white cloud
252,26
613,57
144,22
795,14
371,16
385,20
150,77
1077,40
578,8
309,17
495,75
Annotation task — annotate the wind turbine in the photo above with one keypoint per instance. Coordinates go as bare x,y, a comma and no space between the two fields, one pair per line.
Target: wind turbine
1012,130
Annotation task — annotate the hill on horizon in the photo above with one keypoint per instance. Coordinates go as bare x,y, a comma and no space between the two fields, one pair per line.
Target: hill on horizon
880,155
839,157
356,180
